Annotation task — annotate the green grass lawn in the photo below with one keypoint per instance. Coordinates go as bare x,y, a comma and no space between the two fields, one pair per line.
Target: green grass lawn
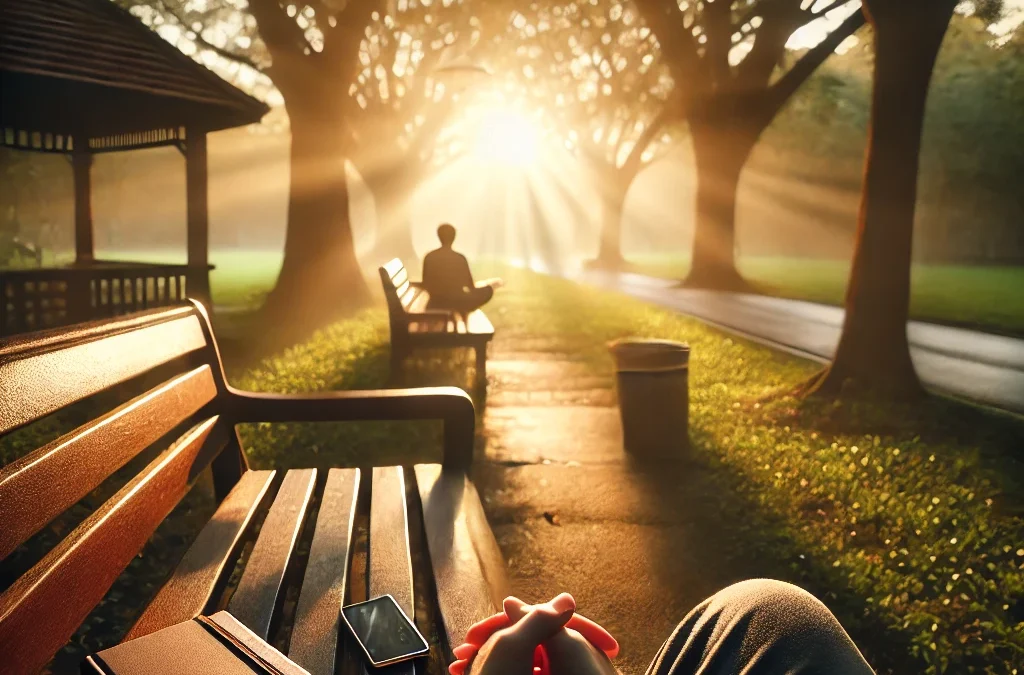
985,297
908,522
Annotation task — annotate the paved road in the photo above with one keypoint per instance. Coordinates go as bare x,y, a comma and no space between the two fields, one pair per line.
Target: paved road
977,366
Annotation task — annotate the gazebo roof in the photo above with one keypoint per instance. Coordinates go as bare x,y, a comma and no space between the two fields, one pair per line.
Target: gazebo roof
89,69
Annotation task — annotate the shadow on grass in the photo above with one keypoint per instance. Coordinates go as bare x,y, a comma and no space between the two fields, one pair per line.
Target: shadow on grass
244,339
731,536
945,425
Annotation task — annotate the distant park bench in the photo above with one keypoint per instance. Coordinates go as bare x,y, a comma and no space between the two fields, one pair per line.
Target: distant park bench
414,326
427,513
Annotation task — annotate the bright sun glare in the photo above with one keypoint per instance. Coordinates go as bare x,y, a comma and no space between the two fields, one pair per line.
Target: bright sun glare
506,137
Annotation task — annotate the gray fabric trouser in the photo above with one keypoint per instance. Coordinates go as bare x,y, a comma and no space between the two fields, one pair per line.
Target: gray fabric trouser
760,627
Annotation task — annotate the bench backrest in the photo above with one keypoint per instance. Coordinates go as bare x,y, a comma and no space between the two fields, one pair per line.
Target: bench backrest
44,373
396,283
401,293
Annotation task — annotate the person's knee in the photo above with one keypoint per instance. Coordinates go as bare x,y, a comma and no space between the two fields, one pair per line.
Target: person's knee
774,625
777,607
770,594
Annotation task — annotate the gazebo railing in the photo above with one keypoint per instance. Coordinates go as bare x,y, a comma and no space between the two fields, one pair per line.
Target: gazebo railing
35,299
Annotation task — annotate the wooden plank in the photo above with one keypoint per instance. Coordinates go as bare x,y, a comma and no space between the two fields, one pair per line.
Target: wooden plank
42,609
400,278
314,641
39,377
189,590
469,571
406,294
392,267
390,566
389,570
42,484
418,300
257,595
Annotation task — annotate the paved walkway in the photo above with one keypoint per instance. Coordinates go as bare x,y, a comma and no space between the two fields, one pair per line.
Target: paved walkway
638,546
977,366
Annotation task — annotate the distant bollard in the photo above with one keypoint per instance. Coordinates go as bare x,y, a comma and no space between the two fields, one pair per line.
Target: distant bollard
652,378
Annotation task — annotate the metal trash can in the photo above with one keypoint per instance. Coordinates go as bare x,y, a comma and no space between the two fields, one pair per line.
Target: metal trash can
654,399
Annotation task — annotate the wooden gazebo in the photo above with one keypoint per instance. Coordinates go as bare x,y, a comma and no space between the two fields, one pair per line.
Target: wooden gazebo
80,77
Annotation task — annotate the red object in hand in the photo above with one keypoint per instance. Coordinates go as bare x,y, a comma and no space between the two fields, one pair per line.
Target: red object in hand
481,631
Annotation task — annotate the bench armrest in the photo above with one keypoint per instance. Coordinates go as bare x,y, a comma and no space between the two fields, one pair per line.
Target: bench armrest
449,404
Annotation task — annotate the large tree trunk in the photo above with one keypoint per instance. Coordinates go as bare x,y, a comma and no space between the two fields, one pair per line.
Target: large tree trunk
320,277
873,356
721,149
613,187
609,252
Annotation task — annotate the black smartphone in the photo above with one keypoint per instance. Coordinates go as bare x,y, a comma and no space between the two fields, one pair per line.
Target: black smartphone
384,632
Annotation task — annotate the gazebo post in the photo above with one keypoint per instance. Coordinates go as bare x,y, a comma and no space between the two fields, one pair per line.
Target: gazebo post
198,216
81,164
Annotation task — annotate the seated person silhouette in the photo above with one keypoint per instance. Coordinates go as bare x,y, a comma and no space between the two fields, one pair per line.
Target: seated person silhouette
446,277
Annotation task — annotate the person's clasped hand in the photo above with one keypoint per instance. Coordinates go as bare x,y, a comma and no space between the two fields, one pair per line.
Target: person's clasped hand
546,639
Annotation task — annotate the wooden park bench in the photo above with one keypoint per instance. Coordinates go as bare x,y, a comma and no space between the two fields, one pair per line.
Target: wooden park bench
414,326
429,544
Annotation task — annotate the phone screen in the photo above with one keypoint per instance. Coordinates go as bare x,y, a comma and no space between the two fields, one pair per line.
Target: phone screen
384,630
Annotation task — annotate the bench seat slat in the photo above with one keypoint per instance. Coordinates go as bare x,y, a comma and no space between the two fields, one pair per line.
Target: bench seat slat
389,571
36,385
390,567
187,593
314,640
474,328
469,571
428,327
42,484
254,601
42,609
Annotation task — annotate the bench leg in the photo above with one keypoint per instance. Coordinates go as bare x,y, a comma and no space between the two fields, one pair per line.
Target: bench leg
228,466
481,364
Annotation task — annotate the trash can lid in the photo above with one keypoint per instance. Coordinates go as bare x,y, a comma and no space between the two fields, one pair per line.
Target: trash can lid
648,354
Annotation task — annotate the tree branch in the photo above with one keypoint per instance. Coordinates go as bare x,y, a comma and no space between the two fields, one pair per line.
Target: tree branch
763,9
278,30
322,13
780,92
433,125
677,44
343,49
633,162
825,10
388,57
755,71
200,40
718,30
627,126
